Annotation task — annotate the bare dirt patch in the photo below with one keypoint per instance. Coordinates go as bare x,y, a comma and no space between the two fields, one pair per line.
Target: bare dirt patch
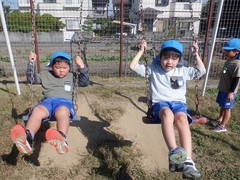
84,136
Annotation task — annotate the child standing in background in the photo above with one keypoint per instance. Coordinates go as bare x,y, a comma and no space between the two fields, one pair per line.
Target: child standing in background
228,84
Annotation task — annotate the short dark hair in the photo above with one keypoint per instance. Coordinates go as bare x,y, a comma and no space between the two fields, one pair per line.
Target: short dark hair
166,50
60,59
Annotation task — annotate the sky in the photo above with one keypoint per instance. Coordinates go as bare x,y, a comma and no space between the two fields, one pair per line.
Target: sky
12,3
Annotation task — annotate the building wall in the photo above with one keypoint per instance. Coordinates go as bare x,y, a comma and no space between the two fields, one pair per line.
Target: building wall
175,10
69,10
63,9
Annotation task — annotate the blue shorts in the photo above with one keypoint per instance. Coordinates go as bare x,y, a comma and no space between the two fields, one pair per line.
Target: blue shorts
174,106
51,104
223,102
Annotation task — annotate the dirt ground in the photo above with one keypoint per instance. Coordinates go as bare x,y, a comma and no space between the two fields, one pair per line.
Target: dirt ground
84,134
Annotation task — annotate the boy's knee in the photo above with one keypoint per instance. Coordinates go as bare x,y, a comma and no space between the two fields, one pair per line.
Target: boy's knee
62,110
40,108
182,119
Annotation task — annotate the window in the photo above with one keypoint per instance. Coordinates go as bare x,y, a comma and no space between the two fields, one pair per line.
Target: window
162,2
72,2
24,1
184,25
72,24
49,1
184,1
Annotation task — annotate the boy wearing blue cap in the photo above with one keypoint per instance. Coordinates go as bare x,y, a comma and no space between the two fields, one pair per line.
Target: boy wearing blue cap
228,84
57,102
167,90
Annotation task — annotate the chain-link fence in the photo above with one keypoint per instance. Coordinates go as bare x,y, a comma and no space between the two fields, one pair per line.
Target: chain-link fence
106,33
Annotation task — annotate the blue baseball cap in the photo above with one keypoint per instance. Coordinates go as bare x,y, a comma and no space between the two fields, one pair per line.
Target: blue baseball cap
173,44
58,54
232,44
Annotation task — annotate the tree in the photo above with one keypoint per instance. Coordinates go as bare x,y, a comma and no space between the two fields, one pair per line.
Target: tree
48,23
102,27
6,10
19,22
22,22
88,24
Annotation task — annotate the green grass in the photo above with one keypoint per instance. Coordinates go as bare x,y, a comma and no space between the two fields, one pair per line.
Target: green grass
217,154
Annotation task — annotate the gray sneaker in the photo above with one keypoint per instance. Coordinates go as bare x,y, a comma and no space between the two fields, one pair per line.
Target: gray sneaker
216,121
219,128
189,170
175,167
176,159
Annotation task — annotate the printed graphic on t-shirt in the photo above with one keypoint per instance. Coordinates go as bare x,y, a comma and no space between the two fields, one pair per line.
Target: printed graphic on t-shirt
67,86
225,70
176,82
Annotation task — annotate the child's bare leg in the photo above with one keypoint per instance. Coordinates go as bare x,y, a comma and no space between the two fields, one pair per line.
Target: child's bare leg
189,169
221,114
176,155
34,122
23,137
62,116
226,117
167,118
185,138
57,138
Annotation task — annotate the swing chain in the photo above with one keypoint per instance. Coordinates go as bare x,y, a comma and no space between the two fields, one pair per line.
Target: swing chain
84,54
80,16
75,94
32,64
31,87
197,113
149,104
192,20
142,20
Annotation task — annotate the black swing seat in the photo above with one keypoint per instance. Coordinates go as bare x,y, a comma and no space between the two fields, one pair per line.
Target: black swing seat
148,120
75,119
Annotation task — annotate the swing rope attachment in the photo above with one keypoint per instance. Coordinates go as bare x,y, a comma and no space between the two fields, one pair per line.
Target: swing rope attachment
197,112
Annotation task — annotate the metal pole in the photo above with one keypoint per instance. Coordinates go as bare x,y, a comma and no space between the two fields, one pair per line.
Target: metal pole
210,12
9,47
215,30
121,38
